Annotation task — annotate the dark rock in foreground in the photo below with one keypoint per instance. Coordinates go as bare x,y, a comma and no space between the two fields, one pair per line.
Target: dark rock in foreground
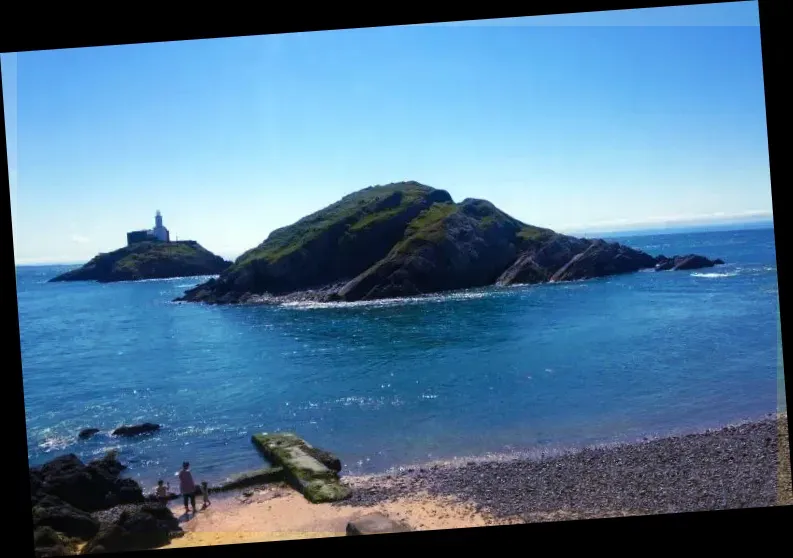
54,513
136,429
149,260
375,524
735,467
408,239
152,498
87,433
134,527
48,542
77,502
89,487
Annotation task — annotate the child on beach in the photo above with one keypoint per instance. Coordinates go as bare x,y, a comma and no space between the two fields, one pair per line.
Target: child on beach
161,492
187,486
205,495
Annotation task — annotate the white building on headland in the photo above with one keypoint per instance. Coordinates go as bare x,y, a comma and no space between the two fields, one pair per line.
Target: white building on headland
158,233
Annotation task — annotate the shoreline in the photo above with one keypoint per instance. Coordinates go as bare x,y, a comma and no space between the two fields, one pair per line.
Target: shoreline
738,466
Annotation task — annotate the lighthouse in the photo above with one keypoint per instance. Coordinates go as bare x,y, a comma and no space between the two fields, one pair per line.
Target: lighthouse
159,231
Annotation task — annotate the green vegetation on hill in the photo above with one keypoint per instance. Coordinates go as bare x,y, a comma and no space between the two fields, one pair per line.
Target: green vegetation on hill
427,228
355,213
149,260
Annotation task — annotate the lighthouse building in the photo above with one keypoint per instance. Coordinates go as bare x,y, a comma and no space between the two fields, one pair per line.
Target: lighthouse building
158,233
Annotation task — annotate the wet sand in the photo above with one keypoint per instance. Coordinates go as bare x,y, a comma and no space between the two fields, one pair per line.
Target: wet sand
739,466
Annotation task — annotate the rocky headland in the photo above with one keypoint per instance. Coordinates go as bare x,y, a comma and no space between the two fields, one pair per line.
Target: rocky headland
408,239
149,260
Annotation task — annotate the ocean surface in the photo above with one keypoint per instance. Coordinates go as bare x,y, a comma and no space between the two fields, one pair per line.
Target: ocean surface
393,383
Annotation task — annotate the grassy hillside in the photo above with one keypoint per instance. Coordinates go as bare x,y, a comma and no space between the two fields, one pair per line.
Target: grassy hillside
149,260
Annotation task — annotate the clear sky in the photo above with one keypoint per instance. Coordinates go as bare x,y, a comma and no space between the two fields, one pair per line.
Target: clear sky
578,123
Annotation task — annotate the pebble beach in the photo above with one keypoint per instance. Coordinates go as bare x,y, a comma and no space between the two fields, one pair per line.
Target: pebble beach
740,466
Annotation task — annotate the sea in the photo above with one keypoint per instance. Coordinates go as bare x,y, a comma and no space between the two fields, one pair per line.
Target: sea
393,383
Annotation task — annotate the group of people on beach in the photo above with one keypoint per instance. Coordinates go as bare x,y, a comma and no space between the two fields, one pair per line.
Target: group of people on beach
187,488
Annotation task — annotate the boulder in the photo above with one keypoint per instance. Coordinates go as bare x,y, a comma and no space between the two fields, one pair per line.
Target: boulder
60,516
48,542
326,458
109,465
91,487
375,524
136,429
134,527
690,262
87,433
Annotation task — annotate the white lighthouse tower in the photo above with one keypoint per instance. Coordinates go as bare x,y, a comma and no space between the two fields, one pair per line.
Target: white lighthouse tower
159,231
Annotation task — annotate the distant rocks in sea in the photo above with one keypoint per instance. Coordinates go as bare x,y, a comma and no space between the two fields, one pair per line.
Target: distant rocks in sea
122,431
408,239
136,429
149,260
685,263
74,503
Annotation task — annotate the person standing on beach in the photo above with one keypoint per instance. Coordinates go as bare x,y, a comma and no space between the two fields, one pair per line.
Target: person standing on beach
205,495
187,486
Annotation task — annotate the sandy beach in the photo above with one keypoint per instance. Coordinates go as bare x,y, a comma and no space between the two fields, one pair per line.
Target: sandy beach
739,466
279,513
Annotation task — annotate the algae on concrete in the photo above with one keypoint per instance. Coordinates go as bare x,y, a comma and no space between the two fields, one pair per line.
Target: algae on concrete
303,471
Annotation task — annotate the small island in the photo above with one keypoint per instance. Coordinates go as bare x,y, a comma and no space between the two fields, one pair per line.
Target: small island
149,254
408,239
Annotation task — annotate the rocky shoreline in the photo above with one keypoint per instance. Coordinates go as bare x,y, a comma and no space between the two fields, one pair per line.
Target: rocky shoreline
89,508
735,467
81,508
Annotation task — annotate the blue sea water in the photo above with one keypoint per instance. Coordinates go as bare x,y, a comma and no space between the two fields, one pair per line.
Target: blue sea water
392,383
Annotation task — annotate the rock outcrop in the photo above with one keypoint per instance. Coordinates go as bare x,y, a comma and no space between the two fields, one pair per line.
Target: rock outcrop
134,527
684,263
136,429
48,542
408,239
70,503
149,260
90,487
87,433
375,524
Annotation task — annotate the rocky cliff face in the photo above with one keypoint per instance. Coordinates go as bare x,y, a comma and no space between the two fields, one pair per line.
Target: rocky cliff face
408,239
149,260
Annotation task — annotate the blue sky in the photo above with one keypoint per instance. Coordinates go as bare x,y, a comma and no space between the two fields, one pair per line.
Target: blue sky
583,122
